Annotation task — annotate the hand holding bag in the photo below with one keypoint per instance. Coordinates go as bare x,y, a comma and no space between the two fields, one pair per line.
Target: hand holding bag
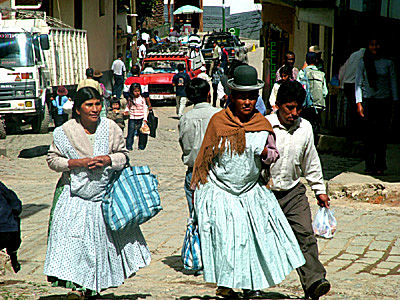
131,197
191,250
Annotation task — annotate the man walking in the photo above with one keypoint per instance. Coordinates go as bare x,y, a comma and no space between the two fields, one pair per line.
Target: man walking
192,127
118,68
313,81
179,81
295,143
290,59
216,56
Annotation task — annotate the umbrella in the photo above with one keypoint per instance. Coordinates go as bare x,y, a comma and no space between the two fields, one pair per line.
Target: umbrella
188,9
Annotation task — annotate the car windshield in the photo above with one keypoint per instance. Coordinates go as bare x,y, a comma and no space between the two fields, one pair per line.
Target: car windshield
162,66
227,41
16,50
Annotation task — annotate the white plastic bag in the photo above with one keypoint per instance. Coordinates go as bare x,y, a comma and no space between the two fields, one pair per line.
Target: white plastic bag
324,223
67,107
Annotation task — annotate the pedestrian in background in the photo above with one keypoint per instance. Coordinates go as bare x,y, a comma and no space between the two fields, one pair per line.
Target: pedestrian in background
118,68
246,241
137,111
60,117
90,81
82,252
347,77
97,76
10,224
290,59
194,39
216,75
142,51
314,83
286,73
179,81
224,58
192,127
376,88
295,143
216,55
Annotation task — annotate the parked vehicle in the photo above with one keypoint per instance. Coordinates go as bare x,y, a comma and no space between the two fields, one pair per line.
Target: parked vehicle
236,49
159,68
36,58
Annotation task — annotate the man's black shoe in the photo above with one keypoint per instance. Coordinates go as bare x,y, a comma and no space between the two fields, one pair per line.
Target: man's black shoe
250,294
318,289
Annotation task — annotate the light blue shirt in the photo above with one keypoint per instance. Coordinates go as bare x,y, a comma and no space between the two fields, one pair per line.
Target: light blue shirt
56,103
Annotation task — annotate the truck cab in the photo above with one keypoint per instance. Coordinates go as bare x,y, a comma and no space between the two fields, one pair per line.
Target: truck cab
23,74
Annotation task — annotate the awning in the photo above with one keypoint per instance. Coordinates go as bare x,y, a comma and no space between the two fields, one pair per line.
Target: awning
188,9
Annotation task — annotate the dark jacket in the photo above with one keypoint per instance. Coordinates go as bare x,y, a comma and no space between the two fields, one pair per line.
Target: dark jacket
10,209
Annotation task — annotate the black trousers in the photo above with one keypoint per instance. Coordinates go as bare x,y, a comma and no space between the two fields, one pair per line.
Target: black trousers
215,94
375,130
60,119
294,204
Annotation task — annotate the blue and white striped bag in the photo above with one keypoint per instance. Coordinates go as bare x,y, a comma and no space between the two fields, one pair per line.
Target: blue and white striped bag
131,197
191,250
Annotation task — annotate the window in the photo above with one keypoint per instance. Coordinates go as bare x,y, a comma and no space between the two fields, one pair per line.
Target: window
102,8
78,14
313,34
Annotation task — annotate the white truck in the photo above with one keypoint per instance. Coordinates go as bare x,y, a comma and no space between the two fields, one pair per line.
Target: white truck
36,56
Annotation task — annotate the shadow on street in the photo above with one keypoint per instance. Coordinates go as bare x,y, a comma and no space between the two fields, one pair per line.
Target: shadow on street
105,296
31,209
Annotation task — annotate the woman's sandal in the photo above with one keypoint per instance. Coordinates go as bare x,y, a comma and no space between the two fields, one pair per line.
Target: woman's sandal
226,293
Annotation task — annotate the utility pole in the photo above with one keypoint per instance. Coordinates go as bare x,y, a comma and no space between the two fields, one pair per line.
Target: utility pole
133,16
223,15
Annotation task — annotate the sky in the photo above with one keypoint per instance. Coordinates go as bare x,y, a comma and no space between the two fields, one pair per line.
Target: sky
237,6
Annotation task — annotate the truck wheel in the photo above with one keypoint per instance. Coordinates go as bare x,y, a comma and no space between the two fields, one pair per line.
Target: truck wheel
2,130
41,123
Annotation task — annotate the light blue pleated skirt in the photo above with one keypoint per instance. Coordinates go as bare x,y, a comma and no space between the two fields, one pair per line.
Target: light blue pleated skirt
246,241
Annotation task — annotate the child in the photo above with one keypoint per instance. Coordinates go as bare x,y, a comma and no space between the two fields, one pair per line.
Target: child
115,114
286,74
137,111
10,234
60,116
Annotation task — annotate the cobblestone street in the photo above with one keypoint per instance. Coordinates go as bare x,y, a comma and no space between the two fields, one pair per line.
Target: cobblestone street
362,260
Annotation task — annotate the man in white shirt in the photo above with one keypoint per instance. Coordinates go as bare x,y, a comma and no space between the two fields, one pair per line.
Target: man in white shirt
295,143
145,36
192,127
118,68
142,50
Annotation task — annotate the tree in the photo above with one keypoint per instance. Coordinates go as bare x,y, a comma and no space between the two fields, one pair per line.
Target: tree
169,11
144,8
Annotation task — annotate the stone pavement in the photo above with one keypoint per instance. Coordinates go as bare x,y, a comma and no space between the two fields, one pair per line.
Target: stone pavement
362,260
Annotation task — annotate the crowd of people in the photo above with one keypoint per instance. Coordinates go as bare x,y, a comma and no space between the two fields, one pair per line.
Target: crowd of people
242,183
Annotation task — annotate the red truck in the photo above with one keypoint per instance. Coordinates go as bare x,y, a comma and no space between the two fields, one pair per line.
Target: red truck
158,70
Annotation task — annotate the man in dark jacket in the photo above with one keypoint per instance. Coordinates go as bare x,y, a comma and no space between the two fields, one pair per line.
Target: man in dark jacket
10,234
